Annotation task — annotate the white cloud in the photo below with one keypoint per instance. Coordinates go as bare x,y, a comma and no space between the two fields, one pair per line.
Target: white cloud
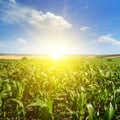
21,40
85,28
108,39
14,13
48,21
13,1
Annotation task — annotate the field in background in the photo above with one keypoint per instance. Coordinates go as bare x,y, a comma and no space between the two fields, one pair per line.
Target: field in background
74,88
30,56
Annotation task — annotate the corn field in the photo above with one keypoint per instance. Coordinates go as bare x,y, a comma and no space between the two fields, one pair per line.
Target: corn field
71,89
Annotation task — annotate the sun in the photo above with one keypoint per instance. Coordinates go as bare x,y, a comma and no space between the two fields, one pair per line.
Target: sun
57,54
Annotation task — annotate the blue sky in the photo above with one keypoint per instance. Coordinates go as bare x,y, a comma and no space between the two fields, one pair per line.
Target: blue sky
70,26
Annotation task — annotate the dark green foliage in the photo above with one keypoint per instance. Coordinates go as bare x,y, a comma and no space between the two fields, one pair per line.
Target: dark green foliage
109,59
24,58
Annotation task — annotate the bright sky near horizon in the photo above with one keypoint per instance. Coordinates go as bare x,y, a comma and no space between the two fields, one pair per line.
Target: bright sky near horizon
67,26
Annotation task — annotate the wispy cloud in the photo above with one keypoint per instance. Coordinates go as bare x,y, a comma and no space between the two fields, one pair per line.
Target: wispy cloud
21,40
85,28
109,39
13,1
15,13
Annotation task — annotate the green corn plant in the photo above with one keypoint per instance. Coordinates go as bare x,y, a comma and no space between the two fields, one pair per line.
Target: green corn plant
76,104
19,111
82,104
91,111
115,99
46,108
18,87
109,113
5,92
